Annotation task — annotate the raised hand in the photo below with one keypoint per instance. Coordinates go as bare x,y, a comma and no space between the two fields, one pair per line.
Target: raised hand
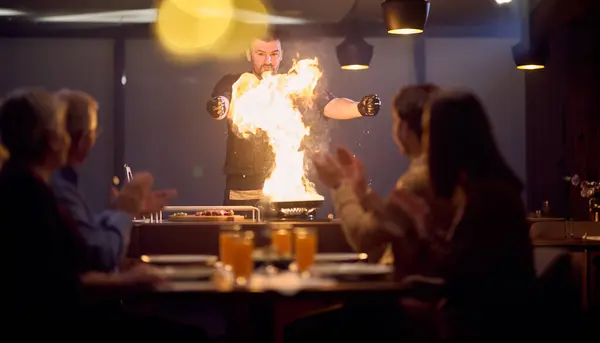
369,105
218,107
353,171
328,169
156,200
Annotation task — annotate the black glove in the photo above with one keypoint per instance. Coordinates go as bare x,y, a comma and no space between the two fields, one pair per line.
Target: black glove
218,107
369,105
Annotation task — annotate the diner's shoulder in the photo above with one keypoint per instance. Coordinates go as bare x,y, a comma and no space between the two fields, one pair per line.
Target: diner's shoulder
415,180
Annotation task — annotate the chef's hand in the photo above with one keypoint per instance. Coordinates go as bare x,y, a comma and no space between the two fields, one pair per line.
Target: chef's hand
353,171
328,170
218,107
369,105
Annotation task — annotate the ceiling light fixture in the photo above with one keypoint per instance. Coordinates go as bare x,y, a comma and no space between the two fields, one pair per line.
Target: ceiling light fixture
529,57
405,17
354,53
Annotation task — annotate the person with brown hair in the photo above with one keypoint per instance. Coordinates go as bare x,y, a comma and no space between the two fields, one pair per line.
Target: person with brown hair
485,256
107,234
354,203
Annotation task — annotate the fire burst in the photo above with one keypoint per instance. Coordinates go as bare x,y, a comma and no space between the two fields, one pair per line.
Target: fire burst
269,104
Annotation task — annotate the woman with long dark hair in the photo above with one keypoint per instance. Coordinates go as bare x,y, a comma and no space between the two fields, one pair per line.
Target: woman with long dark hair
485,256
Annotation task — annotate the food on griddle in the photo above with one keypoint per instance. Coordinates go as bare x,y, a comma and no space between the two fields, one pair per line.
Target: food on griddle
180,214
212,213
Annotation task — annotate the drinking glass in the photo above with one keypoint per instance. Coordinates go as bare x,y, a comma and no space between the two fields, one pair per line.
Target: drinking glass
227,235
281,241
569,228
305,247
242,263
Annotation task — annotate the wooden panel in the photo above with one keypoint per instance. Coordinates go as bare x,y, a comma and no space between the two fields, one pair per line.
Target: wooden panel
563,119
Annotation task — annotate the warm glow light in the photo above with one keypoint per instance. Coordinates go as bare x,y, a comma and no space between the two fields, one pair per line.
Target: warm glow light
355,67
502,2
189,27
531,67
405,31
269,105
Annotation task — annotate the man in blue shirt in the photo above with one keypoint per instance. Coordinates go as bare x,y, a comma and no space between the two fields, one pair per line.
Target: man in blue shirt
108,233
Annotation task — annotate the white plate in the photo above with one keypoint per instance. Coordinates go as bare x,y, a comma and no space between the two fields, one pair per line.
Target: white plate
179,259
340,257
593,238
187,273
351,269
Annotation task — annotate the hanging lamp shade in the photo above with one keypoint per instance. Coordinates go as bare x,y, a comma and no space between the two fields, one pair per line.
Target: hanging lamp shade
354,53
529,57
405,17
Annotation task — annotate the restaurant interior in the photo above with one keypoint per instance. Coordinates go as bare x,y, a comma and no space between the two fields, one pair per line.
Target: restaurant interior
354,254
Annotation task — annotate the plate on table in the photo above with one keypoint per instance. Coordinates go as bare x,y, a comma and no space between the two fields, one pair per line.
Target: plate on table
187,273
180,259
340,257
353,271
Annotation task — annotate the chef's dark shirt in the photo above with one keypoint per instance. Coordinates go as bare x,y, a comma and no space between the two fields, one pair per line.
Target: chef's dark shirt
253,155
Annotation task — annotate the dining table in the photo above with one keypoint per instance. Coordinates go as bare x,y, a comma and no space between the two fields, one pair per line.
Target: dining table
258,312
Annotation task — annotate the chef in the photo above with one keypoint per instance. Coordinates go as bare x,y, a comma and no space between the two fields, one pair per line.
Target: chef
249,161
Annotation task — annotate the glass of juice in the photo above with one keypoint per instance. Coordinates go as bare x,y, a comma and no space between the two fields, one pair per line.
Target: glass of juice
227,235
281,241
305,247
242,262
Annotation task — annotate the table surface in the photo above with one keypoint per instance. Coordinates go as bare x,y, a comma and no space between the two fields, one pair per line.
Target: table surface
567,243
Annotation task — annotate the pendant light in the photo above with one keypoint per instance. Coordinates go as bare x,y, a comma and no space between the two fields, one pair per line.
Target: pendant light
354,53
529,57
405,17
531,52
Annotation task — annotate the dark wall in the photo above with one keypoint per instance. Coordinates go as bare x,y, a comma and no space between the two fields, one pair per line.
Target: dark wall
563,118
69,63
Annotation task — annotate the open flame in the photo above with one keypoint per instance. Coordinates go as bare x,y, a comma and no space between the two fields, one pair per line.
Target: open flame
270,104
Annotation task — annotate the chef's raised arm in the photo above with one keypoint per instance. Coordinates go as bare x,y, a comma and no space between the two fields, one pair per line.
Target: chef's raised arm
343,108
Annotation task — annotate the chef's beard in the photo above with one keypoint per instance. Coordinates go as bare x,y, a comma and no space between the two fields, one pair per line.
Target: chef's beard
265,69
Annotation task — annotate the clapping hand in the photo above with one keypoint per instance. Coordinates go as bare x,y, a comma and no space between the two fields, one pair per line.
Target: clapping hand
328,169
345,167
137,196
353,171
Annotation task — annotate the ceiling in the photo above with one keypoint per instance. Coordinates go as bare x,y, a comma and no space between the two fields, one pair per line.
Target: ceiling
443,12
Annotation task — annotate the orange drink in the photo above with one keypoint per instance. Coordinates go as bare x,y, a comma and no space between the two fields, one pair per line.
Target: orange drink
281,241
227,236
242,263
305,246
